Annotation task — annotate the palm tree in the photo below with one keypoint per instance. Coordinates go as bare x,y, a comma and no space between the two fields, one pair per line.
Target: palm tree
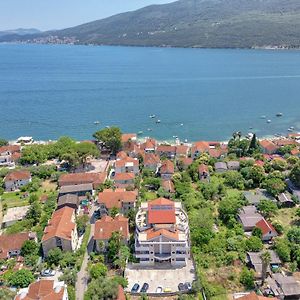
265,259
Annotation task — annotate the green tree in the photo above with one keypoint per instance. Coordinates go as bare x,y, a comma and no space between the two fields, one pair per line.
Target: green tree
3,142
21,278
293,235
295,174
265,259
247,278
102,288
267,207
98,270
34,213
274,186
114,245
69,276
282,249
257,232
85,150
254,146
234,179
6,294
113,212
122,257
81,222
29,247
54,256
257,174
254,244
228,208
109,138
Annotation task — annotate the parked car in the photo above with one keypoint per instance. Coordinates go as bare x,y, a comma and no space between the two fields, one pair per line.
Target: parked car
188,286
159,289
48,273
181,287
144,288
135,288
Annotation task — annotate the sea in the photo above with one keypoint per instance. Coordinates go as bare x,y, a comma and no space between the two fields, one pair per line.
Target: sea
48,91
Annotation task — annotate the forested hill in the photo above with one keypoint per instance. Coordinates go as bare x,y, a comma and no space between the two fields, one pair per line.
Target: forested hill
197,23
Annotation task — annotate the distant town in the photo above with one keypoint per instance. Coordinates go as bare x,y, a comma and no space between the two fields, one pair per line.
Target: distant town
118,217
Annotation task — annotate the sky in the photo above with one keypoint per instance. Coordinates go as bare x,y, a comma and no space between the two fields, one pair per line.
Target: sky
58,14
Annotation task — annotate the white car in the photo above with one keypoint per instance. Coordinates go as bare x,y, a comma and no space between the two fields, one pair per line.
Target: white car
159,289
48,273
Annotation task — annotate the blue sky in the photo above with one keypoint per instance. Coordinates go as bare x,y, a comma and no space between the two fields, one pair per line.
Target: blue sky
56,14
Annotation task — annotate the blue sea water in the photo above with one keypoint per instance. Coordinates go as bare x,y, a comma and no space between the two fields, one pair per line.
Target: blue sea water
47,91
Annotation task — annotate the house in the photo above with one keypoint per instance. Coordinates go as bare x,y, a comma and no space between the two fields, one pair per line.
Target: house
162,233
248,217
16,179
149,146
105,227
203,147
167,151
203,172
233,165
254,296
151,162
268,231
79,189
182,151
14,215
128,137
11,244
118,198
82,178
168,186
184,162
69,200
285,200
220,167
254,197
268,147
167,170
123,180
284,287
127,165
9,155
254,261
61,231
293,188
44,290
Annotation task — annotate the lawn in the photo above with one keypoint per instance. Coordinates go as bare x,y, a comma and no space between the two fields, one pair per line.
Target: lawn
150,196
286,217
14,199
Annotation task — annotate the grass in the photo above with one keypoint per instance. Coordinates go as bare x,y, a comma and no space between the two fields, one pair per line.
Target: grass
150,196
286,217
14,199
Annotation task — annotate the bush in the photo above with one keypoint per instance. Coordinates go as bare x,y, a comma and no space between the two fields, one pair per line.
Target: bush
98,270
254,244
247,278
21,278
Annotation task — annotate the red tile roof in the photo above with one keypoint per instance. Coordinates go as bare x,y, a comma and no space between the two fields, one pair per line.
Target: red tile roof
149,144
295,151
17,175
168,186
152,233
285,142
122,162
42,290
253,296
124,176
167,167
10,148
161,211
268,145
151,159
107,225
121,294
187,161
265,226
121,155
127,137
82,178
203,169
60,224
112,198
182,150
166,148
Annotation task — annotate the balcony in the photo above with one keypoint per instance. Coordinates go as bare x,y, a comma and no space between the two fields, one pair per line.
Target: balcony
162,256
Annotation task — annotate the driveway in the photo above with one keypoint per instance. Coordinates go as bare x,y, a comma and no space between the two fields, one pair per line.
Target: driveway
160,275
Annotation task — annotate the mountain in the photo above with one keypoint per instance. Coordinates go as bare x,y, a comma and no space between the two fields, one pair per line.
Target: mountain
196,23
20,31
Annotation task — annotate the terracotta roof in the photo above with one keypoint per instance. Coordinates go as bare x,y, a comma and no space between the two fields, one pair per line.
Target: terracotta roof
168,186
60,224
285,142
149,144
152,233
167,167
187,161
151,159
295,151
112,198
12,242
81,178
126,160
10,148
107,225
203,169
121,155
42,290
253,296
121,294
268,145
259,163
182,150
216,153
201,146
16,156
166,148
127,137
161,211
265,226
124,176
17,175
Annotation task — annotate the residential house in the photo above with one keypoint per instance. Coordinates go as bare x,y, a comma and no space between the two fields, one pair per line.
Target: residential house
61,231
16,179
106,226
268,231
293,188
184,162
118,198
285,200
128,137
151,162
81,190
233,165
167,170
11,244
123,180
268,147
254,197
162,233
203,172
203,147
248,217
9,155
69,200
149,146
82,178
127,165
182,151
255,262
167,151
254,296
168,186
44,290
220,167
13,215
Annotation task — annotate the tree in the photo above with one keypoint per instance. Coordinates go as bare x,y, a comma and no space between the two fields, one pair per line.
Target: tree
257,174
21,278
110,138
254,244
6,294
86,149
34,213
69,276
98,270
257,232
274,186
122,257
254,146
234,179
102,288
293,235
113,212
267,207
265,259
282,249
81,223
114,245
247,278
29,247
295,174
54,256
3,142
34,154
228,208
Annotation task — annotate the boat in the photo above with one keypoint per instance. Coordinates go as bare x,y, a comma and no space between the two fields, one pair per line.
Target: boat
96,122
279,114
181,124
175,136
263,117
157,121
149,129
269,121
290,129
140,132
250,127
107,126
152,116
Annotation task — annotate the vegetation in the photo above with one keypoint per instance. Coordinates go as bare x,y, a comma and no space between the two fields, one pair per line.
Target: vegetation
109,138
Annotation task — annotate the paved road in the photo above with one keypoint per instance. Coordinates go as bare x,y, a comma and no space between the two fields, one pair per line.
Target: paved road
82,276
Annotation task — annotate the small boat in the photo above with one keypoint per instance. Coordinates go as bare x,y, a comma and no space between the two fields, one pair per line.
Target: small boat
149,129
269,121
107,126
157,121
279,114
152,116
140,132
250,127
263,117
181,124
175,136
96,122
290,129
185,140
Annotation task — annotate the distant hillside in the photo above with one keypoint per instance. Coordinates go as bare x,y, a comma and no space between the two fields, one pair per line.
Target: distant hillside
20,31
196,23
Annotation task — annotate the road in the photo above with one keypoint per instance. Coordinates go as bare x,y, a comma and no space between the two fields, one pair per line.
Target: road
82,275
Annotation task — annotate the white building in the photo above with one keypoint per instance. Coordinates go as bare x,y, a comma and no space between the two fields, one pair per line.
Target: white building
16,179
162,233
